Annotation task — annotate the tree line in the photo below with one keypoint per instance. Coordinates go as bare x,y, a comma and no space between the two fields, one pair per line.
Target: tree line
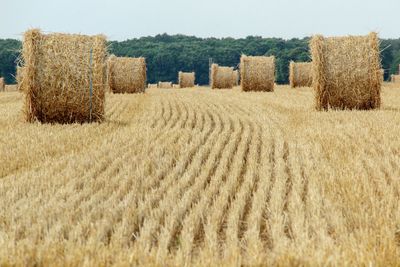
166,55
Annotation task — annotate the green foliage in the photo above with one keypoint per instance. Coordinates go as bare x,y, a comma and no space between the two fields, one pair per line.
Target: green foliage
167,54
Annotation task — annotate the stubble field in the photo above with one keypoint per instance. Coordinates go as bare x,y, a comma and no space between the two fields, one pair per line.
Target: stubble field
203,177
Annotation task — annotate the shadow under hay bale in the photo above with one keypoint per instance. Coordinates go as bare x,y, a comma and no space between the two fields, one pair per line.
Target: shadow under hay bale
346,72
221,77
165,85
186,79
126,75
64,77
300,74
257,73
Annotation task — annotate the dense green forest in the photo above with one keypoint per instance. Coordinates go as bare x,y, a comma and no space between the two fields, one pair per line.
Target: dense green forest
167,54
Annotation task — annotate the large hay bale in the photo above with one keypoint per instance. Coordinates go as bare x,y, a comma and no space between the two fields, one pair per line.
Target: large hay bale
235,78
186,79
2,85
300,74
126,74
165,85
64,77
346,72
221,77
257,73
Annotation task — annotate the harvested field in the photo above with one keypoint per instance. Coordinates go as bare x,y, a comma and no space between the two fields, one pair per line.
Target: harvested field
203,177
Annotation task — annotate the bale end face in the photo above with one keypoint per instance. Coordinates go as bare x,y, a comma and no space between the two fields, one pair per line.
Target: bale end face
221,77
64,77
257,73
2,85
300,74
346,72
186,79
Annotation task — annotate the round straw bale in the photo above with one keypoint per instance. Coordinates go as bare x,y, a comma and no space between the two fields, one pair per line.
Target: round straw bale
257,73
221,77
177,86
395,78
126,74
11,88
235,78
2,85
346,72
64,77
164,84
300,74
19,78
152,85
186,79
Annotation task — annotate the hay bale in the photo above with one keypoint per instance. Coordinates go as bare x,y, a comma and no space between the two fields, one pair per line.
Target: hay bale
235,78
300,74
221,77
11,88
2,85
186,79
126,74
395,78
257,73
19,78
152,85
346,72
64,77
165,85
177,86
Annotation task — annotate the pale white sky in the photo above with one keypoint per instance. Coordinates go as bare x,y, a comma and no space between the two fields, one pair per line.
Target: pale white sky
124,19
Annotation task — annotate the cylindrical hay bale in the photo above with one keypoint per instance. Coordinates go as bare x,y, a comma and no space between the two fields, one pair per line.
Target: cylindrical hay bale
257,73
177,86
2,85
300,74
235,78
186,79
346,72
152,85
221,77
164,85
395,78
11,88
126,74
64,77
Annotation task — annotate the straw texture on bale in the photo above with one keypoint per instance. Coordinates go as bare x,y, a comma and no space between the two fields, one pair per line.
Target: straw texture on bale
19,78
164,84
300,74
221,77
395,78
126,74
346,72
2,85
64,77
186,79
257,73
235,78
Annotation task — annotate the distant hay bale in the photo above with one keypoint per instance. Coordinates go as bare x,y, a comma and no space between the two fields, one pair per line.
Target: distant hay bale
300,74
346,72
64,77
186,79
395,78
11,88
164,84
176,86
126,74
221,77
235,78
2,85
152,85
257,73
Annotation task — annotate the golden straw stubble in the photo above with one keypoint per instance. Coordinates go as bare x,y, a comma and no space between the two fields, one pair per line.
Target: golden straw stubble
64,77
346,72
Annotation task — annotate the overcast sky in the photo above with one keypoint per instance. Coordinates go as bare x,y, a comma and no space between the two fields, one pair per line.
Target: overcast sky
124,19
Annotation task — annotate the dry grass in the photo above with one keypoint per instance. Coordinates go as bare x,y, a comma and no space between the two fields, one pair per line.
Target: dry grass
346,72
126,74
300,74
64,77
257,73
221,77
186,79
203,177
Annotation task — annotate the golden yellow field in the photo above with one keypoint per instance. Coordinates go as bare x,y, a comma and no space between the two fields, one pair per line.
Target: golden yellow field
203,177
